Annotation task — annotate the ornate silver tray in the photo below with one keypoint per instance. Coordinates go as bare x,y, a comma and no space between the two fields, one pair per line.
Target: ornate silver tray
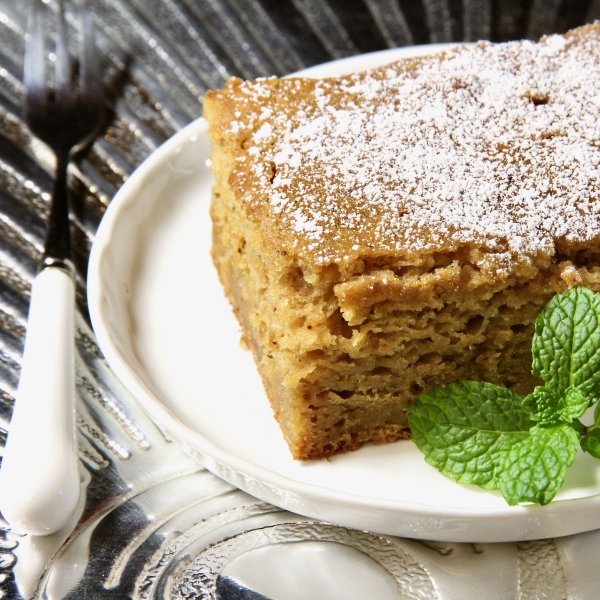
153,523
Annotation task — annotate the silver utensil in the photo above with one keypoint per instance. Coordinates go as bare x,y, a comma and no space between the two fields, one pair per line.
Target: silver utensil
39,480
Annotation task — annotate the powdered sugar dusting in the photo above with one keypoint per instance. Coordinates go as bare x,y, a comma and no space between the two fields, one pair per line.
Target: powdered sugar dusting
496,145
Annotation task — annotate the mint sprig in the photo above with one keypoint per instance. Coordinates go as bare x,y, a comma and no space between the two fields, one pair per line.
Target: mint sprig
567,341
461,429
534,469
548,407
486,435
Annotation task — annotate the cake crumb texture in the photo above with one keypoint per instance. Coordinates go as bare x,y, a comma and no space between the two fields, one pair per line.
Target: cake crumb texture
384,233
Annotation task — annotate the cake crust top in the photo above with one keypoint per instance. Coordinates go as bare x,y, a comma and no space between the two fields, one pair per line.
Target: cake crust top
492,147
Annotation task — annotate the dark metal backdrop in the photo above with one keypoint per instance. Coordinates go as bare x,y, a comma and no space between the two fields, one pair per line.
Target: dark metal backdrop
160,57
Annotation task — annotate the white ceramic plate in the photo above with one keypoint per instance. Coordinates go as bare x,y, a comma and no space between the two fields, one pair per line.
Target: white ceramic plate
169,334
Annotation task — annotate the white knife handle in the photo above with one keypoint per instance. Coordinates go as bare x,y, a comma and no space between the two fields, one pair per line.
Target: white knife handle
39,479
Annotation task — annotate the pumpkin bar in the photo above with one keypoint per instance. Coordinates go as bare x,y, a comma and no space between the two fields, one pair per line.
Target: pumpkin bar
388,232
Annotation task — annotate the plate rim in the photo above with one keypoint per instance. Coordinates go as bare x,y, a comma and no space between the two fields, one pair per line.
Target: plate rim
280,489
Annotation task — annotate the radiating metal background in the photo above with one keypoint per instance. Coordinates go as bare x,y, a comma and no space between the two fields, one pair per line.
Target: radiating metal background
155,524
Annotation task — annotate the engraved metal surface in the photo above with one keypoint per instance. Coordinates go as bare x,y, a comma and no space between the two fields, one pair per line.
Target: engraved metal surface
152,523
200,577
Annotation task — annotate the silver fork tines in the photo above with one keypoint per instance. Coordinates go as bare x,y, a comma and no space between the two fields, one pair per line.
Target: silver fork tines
62,64
84,102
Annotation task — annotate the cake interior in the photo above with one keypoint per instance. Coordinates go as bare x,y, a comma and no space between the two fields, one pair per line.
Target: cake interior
342,358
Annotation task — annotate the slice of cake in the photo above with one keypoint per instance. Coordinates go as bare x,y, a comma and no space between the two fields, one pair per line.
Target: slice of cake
385,233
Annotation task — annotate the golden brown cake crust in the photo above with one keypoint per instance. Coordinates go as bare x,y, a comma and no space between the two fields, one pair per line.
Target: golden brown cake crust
493,146
384,233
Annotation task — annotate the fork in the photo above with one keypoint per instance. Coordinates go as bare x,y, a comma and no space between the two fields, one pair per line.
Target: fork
39,479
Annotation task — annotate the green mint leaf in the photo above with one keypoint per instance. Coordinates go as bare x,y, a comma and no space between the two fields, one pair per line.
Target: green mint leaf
566,344
544,405
591,443
461,428
534,469
574,403
597,414
549,408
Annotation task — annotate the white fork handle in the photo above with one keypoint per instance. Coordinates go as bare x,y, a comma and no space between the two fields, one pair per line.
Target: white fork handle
39,479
